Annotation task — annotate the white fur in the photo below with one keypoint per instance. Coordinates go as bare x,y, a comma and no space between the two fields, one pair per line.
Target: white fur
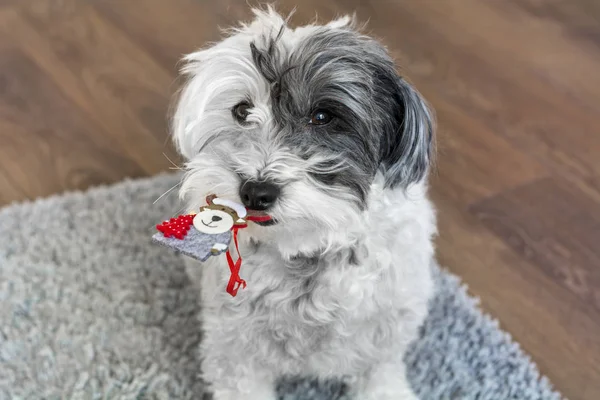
356,321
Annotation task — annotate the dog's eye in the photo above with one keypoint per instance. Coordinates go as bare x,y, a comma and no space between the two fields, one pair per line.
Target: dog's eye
321,117
240,111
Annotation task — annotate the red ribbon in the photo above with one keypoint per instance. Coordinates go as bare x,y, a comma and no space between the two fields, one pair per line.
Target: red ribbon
259,218
235,282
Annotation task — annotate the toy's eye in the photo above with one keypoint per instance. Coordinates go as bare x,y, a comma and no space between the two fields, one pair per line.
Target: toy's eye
241,111
321,117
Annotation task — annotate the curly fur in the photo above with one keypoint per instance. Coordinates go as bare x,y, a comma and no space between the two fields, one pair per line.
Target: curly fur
339,286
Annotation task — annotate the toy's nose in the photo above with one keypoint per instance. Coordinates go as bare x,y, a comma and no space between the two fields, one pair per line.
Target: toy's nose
259,195
216,218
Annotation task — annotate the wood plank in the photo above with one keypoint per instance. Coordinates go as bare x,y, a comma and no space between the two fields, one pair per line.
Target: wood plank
527,41
166,30
44,135
578,20
101,71
554,226
472,161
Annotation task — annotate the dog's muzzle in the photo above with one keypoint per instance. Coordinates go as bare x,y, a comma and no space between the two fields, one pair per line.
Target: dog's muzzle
259,197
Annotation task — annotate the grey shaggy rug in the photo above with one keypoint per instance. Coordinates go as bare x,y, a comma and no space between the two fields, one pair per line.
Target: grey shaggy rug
90,309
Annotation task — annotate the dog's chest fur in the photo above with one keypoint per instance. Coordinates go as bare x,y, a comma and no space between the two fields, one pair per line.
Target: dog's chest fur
360,300
290,304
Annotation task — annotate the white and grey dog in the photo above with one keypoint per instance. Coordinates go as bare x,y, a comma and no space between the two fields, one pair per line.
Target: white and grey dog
314,126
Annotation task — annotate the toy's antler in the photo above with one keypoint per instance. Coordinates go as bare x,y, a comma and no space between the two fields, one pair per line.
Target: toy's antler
210,198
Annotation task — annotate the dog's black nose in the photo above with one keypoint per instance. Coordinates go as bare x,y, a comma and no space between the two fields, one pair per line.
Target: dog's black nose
216,218
259,195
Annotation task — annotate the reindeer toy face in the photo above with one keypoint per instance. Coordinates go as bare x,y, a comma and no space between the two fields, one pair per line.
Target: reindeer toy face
213,220
219,216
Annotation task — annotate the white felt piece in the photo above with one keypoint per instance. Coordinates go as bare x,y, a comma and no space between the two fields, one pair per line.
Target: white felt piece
237,207
220,246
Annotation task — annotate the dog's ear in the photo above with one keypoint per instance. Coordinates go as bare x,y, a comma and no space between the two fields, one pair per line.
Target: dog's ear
407,144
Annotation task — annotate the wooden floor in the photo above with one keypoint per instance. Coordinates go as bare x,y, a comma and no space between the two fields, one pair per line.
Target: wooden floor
85,88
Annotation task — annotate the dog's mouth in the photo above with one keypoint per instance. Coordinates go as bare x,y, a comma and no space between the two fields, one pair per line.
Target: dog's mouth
266,223
260,218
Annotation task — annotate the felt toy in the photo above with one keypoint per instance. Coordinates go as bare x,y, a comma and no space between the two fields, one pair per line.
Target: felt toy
209,233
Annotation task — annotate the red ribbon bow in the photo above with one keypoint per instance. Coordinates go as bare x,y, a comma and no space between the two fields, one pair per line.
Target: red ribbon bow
234,267
234,280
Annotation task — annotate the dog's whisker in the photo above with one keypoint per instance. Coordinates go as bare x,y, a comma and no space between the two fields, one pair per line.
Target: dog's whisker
167,192
175,166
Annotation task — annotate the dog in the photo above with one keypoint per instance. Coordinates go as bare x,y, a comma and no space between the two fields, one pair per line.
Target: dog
314,127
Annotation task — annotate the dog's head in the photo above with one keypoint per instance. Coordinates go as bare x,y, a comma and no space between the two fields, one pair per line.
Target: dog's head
301,124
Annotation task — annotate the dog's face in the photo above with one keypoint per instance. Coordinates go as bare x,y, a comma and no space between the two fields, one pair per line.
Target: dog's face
299,123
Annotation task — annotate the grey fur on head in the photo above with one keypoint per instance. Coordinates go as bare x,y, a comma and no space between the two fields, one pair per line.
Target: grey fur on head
380,121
